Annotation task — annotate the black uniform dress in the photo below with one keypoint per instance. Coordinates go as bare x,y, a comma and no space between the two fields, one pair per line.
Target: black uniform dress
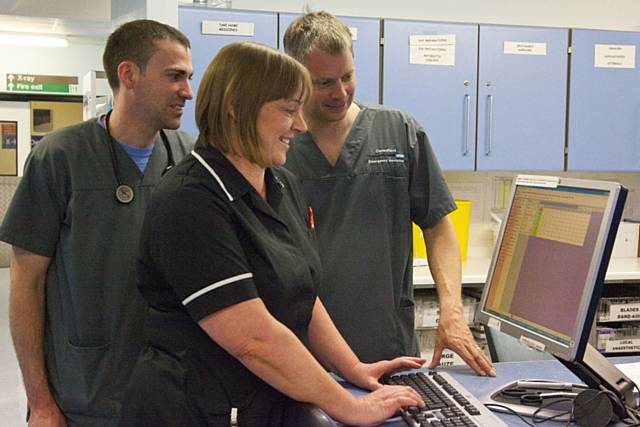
386,176
65,208
209,241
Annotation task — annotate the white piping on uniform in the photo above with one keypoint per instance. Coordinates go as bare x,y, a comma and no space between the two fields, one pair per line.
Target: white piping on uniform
212,172
216,285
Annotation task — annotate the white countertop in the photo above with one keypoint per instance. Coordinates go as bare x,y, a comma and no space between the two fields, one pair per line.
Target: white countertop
474,271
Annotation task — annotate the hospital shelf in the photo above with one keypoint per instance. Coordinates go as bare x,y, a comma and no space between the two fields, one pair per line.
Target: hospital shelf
474,272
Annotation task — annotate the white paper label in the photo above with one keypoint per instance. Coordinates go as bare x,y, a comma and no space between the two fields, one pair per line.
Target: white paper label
354,33
624,312
449,358
227,28
494,323
525,48
538,181
614,56
531,343
622,346
432,39
432,49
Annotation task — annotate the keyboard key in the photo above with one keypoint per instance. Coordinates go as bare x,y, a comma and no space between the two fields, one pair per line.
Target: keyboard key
472,410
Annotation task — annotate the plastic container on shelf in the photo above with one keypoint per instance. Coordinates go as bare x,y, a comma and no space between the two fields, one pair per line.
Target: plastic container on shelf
427,310
461,219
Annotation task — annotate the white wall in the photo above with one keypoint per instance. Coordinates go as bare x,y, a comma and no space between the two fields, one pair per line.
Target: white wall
614,15
94,10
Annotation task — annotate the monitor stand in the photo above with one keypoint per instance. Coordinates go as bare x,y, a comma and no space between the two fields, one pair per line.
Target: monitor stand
597,373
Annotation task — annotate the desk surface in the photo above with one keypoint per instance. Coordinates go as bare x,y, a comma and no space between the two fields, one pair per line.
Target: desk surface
508,372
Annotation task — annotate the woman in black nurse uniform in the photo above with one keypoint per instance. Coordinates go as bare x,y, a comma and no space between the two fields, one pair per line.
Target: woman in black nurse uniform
228,265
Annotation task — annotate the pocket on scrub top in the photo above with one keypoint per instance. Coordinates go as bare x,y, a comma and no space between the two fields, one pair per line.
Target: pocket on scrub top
84,374
396,199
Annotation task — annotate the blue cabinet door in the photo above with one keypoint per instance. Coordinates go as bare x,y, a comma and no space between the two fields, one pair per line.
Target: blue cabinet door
604,101
522,92
366,52
434,79
205,46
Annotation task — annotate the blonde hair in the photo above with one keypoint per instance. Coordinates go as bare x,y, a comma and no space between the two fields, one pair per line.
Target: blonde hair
317,30
237,83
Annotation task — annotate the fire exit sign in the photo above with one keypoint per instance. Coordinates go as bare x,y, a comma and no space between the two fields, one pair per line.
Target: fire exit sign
17,82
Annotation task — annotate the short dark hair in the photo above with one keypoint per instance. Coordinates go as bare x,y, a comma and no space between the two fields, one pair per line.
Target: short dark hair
134,41
243,77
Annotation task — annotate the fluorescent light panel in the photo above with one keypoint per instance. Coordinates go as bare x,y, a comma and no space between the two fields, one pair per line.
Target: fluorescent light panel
31,40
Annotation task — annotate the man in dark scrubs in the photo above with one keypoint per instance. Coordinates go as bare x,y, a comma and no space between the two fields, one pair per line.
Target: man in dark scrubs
76,316
368,171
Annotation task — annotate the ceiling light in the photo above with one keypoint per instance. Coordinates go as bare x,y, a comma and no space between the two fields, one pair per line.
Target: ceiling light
32,40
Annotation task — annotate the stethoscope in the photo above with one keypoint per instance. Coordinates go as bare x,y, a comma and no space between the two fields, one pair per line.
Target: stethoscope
124,192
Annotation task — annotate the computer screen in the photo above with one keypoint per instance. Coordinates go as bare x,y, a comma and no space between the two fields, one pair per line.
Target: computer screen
549,262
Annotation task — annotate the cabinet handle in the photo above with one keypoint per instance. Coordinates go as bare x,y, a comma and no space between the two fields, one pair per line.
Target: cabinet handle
488,147
465,149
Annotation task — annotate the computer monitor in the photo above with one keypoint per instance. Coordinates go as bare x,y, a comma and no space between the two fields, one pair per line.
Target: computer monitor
548,269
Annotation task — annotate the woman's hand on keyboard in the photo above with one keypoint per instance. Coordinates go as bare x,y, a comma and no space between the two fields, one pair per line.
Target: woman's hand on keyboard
382,404
366,375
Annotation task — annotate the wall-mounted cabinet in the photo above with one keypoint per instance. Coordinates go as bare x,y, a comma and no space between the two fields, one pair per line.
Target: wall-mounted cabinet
430,71
435,70
209,30
604,102
522,98
490,97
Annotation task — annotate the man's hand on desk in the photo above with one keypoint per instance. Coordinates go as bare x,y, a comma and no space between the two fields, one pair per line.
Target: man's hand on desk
453,333
366,375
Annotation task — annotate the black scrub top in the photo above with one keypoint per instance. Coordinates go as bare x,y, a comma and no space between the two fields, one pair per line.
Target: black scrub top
209,241
385,177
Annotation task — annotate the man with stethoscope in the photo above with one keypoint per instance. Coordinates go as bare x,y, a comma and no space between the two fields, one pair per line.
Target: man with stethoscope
76,316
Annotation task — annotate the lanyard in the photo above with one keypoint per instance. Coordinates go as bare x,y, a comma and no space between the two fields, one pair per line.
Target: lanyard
124,192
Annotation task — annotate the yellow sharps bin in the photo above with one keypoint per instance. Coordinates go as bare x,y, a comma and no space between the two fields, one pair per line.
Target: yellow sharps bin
460,218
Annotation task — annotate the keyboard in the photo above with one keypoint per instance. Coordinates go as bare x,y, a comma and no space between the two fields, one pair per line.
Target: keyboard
448,404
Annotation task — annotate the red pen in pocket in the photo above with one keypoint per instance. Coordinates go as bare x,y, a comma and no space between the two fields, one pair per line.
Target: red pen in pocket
312,223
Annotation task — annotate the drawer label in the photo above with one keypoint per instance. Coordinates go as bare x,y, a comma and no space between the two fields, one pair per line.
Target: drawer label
624,312
622,346
449,358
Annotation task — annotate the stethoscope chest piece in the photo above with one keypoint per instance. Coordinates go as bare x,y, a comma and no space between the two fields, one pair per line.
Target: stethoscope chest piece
124,194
